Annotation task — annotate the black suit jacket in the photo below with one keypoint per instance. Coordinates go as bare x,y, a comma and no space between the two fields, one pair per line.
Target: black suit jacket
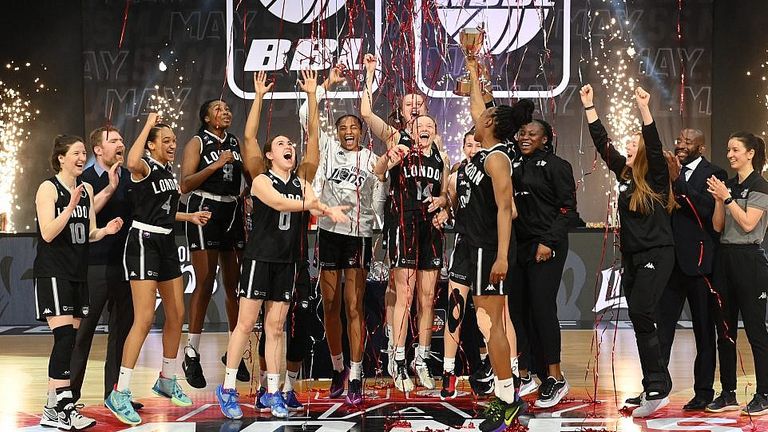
692,222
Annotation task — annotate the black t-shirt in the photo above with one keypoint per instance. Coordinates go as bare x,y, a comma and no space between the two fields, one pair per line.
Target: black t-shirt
109,250
480,223
66,256
227,179
276,236
155,199
462,198
418,177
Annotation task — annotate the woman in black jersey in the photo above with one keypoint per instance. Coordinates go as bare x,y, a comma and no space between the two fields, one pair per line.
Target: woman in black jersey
151,263
271,258
416,193
741,268
645,203
545,196
66,223
212,173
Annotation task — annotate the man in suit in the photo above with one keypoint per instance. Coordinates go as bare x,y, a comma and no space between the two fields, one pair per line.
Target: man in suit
106,284
695,243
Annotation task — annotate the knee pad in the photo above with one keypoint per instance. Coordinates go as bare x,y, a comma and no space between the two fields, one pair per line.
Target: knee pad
61,354
455,300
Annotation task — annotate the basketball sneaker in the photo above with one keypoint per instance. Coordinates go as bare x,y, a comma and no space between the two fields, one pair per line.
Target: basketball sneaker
120,404
229,403
192,369
276,404
292,402
170,388
449,386
355,393
70,419
50,417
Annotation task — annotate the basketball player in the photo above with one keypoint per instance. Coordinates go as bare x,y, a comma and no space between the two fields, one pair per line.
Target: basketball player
269,272
415,196
151,263
66,222
489,250
212,170
345,178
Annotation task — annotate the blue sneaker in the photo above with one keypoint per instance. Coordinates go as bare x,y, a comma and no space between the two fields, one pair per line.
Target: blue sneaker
258,406
170,388
292,402
228,402
275,403
120,404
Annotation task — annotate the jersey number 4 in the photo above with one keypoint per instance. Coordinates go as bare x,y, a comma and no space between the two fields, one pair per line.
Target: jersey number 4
167,206
423,193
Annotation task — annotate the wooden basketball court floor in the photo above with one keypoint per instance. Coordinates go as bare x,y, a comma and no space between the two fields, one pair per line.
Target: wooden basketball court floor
23,371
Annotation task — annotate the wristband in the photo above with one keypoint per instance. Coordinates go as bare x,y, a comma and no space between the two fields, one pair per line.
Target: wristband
591,107
728,200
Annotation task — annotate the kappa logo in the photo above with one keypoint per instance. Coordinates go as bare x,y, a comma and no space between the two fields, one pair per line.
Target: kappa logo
650,266
47,311
510,25
491,287
341,43
763,296
133,274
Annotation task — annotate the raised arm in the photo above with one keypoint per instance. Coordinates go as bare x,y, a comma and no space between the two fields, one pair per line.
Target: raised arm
608,152
134,162
311,158
658,171
378,126
476,101
101,198
253,158
51,224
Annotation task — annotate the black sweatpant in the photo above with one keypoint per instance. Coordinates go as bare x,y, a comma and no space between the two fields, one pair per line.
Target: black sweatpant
741,279
533,305
106,287
644,277
694,289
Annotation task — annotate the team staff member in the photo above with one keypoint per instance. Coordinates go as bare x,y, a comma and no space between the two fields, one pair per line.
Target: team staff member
212,172
106,283
151,263
66,222
741,269
345,178
647,245
545,196
695,242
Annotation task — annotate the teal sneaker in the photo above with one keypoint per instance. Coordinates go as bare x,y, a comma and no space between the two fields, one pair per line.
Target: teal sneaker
120,404
170,388
228,402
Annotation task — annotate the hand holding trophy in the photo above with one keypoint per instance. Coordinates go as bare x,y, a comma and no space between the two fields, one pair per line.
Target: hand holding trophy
471,41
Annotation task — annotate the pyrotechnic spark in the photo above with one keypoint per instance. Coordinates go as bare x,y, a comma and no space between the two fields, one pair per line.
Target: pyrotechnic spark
166,108
761,75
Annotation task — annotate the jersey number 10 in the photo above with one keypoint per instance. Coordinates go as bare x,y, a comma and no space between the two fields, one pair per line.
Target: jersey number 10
77,231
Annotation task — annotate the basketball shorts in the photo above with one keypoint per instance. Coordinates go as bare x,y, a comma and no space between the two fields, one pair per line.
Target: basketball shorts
225,229
261,280
150,254
58,297
339,251
471,266
415,244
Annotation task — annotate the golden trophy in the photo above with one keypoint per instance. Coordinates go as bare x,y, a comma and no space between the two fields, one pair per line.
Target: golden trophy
470,40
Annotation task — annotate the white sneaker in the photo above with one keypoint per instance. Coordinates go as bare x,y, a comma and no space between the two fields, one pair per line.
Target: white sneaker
527,386
648,407
50,417
425,375
71,419
402,380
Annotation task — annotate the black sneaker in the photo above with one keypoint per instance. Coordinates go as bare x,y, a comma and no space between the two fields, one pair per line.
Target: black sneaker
725,402
637,400
449,386
499,415
193,370
551,392
757,406
243,375
481,380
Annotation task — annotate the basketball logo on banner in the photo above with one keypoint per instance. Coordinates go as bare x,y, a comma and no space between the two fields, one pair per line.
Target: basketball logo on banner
283,37
510,25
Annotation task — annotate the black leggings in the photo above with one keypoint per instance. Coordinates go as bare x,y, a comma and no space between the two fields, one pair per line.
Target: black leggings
741,278
533,306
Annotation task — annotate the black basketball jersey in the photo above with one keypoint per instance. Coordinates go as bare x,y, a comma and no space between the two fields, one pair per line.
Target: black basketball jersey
66,256
480,221
226,180
418,177
276,236
462,197
155,199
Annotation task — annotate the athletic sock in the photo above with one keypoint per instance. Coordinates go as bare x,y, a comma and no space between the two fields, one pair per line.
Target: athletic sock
229,378
193,341
290,379
505,390
421,354
355,370
338,362
124,380
483,356
399,353
51,398
169,368
273,383
449,364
